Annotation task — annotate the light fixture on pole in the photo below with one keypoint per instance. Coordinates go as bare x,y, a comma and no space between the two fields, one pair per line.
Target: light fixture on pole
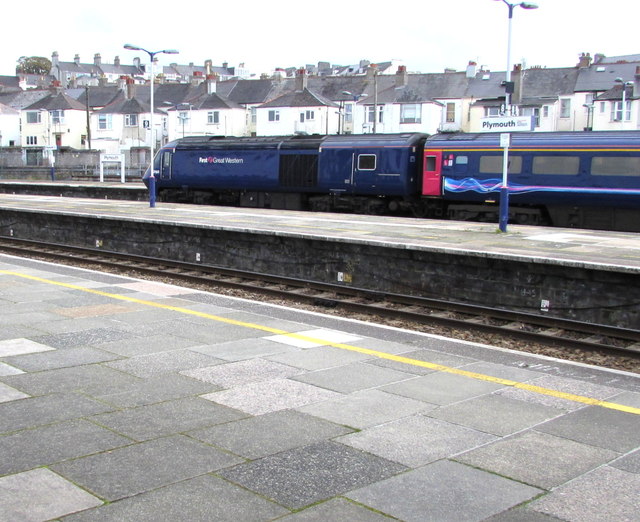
624,98
152,54
504,190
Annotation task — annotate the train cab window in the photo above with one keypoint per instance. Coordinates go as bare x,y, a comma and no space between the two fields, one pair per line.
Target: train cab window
493,164
615,166
556,165
366,162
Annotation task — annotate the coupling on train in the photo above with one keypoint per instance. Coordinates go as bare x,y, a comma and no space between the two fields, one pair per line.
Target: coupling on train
566,179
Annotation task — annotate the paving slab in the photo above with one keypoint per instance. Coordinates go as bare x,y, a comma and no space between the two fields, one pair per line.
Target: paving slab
603,494
165,418
159,388
201,499
362,409
269,396
337,509
60,359
443,491
353,377
495,414
45,445
441,388
93,379
128,471
303,476
10,347
416,440
605,428
538,459
164,362
39,411
232,374
39,495
271,433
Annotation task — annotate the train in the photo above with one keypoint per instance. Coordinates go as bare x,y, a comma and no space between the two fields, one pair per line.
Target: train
565,179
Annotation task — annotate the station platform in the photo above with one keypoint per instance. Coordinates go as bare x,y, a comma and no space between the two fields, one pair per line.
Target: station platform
577,274
123,399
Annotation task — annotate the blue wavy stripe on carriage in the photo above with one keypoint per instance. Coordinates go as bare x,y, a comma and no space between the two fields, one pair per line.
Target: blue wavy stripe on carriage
483,186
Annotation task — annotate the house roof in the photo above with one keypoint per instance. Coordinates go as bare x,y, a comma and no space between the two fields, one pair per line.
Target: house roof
303,98
601,76
22,99
6,110
615,93
9,83
123,105
57,101
215,101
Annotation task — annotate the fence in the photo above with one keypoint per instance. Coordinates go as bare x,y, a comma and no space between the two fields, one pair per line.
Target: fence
33,163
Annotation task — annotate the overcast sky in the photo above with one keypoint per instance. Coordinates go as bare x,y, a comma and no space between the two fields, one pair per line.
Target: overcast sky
426,35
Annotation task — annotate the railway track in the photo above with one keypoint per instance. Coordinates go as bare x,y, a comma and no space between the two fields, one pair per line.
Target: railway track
530,328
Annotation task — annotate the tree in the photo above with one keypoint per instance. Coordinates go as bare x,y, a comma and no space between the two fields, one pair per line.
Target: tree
33,65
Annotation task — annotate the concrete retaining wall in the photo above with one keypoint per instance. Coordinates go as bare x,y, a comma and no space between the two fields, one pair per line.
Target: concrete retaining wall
598,296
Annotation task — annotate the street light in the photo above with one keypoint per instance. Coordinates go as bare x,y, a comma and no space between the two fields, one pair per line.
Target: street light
624,97
504,190
152,54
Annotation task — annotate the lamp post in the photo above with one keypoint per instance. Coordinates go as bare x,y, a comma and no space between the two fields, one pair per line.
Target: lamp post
624,98
152,54
504,190
355,98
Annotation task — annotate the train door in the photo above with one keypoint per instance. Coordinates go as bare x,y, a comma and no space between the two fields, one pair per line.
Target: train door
432,173
363,177
165,165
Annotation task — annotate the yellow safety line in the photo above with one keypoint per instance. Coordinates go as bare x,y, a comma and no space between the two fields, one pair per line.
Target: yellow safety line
381,355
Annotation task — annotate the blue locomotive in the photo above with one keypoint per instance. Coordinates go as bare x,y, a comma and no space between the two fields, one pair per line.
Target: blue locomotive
579,179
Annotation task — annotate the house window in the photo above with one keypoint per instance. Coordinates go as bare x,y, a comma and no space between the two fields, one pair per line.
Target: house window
130,120
616,111
348,113
104,121
254,115
307,116
410,113
565,108
57,117
370,113
34,117
545,111
603,107
491,112
183,116
534,112
213,117
32,140
274,115
451,112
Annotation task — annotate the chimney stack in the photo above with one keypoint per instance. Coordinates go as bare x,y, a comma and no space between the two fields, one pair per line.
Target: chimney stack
131,88
116,61
402,77
584,61
97,59
301,80
212,81
471,69
76,59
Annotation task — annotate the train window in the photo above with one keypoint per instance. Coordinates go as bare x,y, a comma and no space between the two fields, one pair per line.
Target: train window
366,162
493,164
561,165
462,160
615,166
430,163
